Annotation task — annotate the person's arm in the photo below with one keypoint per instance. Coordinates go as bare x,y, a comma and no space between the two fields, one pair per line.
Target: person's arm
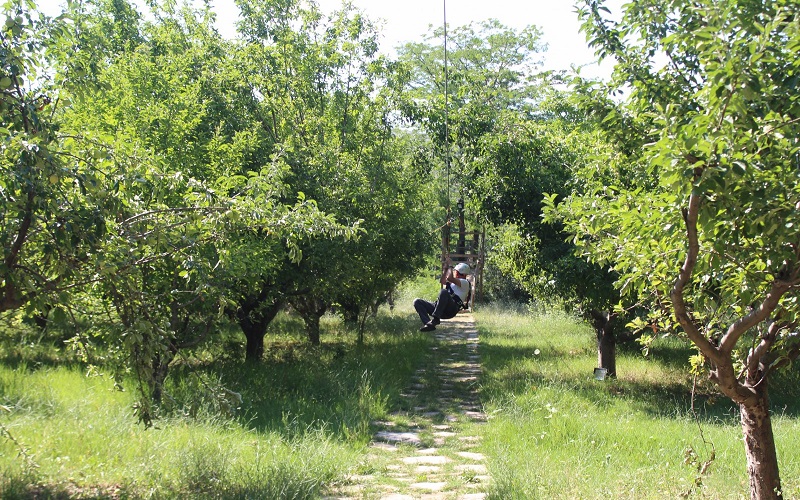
451,278
447,273
447,276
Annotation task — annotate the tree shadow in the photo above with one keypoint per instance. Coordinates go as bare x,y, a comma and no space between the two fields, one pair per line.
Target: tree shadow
654,398
339,386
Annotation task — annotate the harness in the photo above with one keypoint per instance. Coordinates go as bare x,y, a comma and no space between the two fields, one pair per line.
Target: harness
462,304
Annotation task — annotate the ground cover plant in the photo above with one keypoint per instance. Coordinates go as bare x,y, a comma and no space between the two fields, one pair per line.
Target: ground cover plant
556,432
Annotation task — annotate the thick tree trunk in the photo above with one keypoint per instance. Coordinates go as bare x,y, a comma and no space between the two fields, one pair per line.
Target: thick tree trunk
759,444
607,353
254,350
312,328
606,342
254,322
311,310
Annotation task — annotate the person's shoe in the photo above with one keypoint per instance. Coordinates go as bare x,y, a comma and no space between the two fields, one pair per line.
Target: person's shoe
434,321
427,327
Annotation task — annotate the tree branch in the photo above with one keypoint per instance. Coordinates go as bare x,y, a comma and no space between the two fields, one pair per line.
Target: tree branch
134,218
754,317
676,294
22,232
756,355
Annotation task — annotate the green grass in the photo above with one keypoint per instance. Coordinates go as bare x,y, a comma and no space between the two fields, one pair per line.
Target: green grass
305,417
302,424
556,432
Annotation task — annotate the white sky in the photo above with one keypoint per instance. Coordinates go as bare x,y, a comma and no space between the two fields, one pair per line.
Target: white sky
408,20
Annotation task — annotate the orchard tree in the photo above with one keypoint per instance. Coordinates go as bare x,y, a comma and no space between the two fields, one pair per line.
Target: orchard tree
327,98
714,244
515,138
522,166
205,213
54,214
491,72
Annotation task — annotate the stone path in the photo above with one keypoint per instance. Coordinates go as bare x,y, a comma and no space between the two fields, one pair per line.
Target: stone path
427,449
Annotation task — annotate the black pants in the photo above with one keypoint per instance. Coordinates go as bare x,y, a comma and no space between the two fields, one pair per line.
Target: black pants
444,307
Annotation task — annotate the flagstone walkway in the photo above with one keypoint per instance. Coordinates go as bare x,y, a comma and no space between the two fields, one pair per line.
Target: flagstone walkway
427,450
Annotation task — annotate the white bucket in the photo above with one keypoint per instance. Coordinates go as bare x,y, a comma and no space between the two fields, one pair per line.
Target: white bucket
600,373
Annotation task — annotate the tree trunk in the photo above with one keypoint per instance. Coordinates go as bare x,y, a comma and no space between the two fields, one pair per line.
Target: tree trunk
160,369
311,310
254,322
350,314
606,341
759,444
312,328
254,349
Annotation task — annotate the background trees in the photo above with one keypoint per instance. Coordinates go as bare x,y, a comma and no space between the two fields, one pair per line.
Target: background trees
516,135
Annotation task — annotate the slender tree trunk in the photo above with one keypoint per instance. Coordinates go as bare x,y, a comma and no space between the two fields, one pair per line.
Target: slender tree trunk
160,370
606,341
759,444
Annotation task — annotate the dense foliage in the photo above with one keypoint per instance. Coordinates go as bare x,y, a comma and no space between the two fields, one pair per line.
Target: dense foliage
160,181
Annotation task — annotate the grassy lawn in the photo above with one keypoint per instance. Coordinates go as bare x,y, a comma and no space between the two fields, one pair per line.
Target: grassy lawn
306,415
556,432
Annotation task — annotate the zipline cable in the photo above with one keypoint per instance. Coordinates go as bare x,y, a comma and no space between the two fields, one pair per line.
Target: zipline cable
446,110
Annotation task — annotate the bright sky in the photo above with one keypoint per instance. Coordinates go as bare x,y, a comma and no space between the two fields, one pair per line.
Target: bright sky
408,20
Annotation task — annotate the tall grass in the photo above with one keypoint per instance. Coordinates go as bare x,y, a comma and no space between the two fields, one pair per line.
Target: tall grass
292,424
299,421
556,432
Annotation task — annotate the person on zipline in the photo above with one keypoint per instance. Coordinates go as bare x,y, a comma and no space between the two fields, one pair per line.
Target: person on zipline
451,298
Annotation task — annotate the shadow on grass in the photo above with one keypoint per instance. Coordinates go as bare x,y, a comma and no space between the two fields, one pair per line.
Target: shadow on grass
16,485
38,357
521,368
339,386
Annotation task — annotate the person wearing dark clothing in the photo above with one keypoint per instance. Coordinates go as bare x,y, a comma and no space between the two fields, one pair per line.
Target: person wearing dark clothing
446,306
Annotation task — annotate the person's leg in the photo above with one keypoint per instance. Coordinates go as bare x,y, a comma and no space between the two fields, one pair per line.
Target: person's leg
424,309
445,307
